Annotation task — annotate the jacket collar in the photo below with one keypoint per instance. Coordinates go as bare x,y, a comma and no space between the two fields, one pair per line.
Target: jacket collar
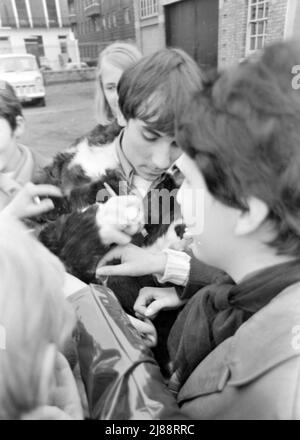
264,341
126,167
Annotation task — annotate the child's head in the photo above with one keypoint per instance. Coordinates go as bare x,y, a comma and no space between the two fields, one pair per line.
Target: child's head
35,320
11,123
112,62
241,136
152,94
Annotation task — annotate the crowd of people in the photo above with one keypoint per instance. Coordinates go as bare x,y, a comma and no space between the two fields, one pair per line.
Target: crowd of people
173,236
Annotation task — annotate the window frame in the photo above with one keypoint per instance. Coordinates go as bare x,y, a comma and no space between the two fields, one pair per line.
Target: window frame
256,23
148,8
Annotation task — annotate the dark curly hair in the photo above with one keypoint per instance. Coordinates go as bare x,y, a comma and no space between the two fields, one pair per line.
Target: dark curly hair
243,131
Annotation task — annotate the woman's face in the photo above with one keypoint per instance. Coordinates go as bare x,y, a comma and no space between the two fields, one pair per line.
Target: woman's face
210,224
110,76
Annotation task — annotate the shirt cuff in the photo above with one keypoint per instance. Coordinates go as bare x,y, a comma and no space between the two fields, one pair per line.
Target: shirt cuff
177,268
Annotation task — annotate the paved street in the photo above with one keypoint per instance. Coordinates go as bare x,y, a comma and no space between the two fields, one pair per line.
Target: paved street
69,113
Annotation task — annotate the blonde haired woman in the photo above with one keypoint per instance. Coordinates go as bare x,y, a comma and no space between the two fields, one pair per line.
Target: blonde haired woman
35,321
112,62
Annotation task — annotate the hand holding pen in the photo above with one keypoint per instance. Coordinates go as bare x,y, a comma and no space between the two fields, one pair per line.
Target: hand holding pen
120,218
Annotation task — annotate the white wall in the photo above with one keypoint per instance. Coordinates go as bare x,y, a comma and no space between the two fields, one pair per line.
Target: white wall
292,25
50,40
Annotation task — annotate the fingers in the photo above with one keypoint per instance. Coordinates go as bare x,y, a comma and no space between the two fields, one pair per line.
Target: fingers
146,330
40,208
43,190
111,235
145,297
117,270
155,307
115,253
151,340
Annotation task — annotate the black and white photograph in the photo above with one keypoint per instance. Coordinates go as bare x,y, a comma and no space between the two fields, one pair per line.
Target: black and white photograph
149,213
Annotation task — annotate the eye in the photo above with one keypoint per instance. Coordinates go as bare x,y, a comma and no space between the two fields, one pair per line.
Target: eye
111,87
149,136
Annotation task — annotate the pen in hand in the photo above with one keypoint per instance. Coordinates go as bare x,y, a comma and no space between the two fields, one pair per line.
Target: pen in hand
132,214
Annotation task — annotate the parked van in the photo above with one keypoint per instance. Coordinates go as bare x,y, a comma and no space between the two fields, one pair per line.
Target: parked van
22,72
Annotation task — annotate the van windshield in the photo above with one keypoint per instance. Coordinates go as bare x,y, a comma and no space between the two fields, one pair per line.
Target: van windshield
17,64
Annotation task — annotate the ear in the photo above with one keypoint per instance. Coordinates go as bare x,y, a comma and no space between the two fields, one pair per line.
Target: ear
20,126
47,375
251,220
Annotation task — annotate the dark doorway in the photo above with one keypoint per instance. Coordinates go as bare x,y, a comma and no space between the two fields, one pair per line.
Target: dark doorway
32,46
193,25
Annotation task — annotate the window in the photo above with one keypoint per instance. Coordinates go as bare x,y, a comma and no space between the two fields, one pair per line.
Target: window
94,24
74,29
126,16
22,13
98,24
148,8
258,15
72,7
52,13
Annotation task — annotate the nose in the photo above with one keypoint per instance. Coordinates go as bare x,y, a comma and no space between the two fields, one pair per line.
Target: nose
115,98
164,155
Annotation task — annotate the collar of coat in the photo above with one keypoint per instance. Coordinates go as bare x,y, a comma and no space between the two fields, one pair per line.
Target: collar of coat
271,336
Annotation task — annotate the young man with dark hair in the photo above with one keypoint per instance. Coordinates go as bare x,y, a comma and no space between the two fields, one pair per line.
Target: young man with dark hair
152,94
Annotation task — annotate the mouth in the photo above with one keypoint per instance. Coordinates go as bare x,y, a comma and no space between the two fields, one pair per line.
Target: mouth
154,173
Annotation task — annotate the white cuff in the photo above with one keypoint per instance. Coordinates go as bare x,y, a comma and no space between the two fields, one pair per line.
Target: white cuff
177,268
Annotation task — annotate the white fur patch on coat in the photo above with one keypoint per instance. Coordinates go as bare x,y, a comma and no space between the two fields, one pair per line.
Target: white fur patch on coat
95,161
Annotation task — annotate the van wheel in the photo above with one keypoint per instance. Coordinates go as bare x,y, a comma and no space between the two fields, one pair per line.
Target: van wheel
41,102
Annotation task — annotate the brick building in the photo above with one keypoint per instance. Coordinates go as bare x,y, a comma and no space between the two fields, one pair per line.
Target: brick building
215,32
97,23
248,25
40,27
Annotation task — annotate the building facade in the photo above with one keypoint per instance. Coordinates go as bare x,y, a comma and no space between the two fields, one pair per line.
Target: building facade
40,27
215,32
248,25
98,23
150,25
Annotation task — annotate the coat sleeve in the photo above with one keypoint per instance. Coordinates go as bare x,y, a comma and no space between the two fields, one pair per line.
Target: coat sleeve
201,275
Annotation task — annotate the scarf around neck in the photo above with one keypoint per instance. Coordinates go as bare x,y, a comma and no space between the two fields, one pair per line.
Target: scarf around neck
215,313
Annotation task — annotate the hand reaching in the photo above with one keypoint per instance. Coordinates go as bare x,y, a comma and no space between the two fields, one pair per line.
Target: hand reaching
26,203
135,262
152,300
